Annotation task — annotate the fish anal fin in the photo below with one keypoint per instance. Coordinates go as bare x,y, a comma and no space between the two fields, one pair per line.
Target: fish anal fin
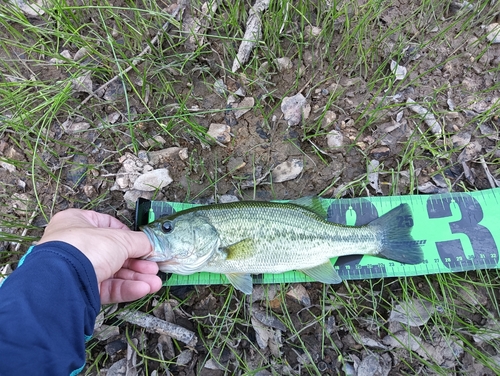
242,282
325,273
241,249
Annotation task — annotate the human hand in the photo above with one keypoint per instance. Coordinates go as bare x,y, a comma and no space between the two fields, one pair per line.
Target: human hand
112,248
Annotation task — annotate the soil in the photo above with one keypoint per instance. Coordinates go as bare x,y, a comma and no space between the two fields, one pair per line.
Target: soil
446,74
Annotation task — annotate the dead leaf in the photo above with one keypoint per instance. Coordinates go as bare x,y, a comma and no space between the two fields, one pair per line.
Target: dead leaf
415,312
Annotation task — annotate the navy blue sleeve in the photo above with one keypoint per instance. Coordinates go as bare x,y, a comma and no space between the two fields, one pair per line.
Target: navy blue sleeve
48,307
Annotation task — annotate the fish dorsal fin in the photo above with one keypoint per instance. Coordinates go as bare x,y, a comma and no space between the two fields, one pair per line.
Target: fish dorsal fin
312,203
325,273
242,282
242,249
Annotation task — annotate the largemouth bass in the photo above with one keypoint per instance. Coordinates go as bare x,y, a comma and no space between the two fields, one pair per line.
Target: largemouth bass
251,237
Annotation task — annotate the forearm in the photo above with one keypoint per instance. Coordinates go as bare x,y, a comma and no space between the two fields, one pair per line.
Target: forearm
48,306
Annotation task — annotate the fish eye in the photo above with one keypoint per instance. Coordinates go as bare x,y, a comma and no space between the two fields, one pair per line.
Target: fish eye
167,227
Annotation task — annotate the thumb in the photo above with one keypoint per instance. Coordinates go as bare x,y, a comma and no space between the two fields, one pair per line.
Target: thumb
137,243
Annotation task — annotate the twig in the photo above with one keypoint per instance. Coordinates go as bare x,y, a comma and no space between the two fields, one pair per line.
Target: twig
25,231
155,325
493,182
137,59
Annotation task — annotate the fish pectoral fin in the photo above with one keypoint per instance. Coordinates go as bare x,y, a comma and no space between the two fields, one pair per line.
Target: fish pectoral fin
325,273
242,282
241,249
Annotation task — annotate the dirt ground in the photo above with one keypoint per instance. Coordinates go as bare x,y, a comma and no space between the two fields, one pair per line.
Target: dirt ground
375,123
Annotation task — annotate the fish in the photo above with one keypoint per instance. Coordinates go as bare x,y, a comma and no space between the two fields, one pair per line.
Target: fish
242,238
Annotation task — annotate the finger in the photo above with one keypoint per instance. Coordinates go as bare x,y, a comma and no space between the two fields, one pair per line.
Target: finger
119,290
103,220
141,266
136,243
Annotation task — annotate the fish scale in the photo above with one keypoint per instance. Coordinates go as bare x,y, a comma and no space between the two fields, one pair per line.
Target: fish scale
244,238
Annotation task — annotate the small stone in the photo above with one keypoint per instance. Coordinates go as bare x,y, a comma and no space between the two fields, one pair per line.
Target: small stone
461,139
105,332
154,141
299,293
493,33
312,31
235,163
153,180
220,87
162,156
295,109
220,132
20,203
80,54
243,107
283,63
115,347
329,118
118,369
228,198
77,172
184,358
90,191
380,152
7,166
334,139
133,195
398,70
288,170
71,127
83,83
183,154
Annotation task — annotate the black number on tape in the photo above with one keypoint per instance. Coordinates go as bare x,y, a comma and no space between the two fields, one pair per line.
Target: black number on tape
451,252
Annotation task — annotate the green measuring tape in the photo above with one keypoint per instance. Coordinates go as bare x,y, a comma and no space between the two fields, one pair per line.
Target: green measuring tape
460,231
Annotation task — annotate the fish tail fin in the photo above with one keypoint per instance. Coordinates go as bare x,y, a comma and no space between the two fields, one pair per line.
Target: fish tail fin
394,229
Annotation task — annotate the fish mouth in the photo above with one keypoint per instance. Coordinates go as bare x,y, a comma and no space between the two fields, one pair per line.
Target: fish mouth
161,251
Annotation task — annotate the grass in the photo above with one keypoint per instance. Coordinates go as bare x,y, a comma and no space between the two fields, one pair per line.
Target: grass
169,91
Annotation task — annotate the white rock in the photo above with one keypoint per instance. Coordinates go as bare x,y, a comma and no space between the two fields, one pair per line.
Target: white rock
287,170
295,109
33,10
184,358
81,53
153,180
373,175
72,127
219,132
398,70
243,107
283,63
7,166
493,33
183,154
228,198
132,195
161,156
83,83
329,118
220,87
312,31
334,139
